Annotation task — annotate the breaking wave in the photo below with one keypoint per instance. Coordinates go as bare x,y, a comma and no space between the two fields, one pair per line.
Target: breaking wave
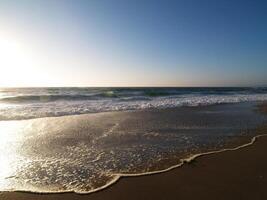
29,103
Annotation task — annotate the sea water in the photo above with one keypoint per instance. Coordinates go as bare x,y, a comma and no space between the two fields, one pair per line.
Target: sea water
28,103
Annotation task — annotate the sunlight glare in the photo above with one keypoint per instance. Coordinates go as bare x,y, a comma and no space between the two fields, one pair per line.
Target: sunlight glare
16,61
9,138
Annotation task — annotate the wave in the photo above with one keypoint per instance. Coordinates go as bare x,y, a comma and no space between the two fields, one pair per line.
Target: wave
84,105
35,95
49,98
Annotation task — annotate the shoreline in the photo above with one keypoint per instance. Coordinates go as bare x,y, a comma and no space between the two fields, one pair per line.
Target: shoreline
127,181
120,176
185,163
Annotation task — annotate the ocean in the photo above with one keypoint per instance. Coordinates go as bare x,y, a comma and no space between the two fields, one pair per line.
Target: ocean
85,139
29,103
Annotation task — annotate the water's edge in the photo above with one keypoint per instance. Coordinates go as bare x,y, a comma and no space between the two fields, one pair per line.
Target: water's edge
118,176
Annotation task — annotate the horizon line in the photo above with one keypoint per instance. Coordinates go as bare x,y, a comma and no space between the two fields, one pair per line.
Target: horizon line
261,86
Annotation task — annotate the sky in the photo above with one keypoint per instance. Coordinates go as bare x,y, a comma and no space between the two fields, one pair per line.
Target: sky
79,43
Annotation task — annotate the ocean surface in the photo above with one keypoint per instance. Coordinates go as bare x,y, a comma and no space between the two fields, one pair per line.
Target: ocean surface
68,139
28,103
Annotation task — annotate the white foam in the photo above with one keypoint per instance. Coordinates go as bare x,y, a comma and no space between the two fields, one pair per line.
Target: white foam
61,108
181,163
117,176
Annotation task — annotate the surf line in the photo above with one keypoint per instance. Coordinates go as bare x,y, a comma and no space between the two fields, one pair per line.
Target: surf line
193,157
117,176
182,162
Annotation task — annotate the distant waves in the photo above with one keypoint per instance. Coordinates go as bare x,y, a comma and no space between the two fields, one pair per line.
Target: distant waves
17,104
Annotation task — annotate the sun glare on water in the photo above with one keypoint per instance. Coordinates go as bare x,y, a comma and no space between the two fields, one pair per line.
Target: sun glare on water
9,140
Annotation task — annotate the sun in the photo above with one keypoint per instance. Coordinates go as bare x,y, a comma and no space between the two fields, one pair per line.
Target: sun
11,54
16,61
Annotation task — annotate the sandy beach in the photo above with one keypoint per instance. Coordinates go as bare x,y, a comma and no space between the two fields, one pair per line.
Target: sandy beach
239,174
232,174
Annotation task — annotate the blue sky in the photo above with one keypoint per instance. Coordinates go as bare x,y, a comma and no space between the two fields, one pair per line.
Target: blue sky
134,43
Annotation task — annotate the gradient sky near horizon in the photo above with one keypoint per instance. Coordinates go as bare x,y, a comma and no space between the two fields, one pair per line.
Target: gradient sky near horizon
133,43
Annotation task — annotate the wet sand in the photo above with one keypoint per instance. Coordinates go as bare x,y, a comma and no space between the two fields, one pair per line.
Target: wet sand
239,174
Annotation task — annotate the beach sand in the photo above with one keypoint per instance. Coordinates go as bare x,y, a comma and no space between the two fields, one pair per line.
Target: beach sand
238,174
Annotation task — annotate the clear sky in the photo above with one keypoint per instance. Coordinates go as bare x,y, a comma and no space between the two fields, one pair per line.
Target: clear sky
133,43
